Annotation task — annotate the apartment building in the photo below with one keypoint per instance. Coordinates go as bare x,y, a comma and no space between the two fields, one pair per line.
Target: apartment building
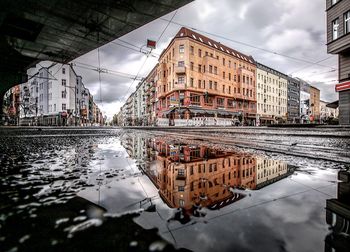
198,77
11,106
304,101
293,100
314,104
338,42
151,97
55,95
270,171
193,176
271,95
327,112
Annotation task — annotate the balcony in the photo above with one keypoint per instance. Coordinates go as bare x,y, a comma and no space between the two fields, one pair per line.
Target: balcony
180,69
180,176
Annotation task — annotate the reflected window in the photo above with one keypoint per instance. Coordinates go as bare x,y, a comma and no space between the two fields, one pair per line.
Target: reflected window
181,203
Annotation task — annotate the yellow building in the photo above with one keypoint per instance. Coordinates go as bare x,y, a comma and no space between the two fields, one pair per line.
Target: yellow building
271,95
314,103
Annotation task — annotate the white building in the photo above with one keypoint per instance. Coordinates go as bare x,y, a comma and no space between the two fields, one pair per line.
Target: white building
54,95
304,101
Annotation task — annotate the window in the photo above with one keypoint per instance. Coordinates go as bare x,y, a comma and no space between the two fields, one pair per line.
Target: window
347,22
192,66
223,61
64,94
191,82
181,172
220,102
199,53
181,64
199,84
195,99
229,76
192,50
199,68
335,25
181,48
208,100
181,203
223,75
64,106
215,85
210,84
181,189
63,82
181,80
210,69
215,70
63,70
50,96
223,88
54,107
230,103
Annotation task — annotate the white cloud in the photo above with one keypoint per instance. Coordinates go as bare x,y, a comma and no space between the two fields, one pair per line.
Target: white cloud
295,28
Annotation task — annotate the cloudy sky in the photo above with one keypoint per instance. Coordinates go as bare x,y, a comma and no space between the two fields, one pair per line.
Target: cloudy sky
265,29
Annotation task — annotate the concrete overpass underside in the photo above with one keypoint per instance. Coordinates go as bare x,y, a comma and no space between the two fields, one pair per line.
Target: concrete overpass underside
62,30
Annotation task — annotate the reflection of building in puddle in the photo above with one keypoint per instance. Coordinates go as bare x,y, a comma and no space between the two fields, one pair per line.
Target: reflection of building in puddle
193,176
134,146
270,171
338,216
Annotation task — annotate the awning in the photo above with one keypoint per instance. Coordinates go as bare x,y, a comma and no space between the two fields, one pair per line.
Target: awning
222,112
333,105
266,118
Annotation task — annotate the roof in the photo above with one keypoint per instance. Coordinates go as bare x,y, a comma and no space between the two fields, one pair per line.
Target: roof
271,70
185,32
314,87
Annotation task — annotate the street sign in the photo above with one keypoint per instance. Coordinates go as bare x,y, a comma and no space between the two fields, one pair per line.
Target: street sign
151,44
342,86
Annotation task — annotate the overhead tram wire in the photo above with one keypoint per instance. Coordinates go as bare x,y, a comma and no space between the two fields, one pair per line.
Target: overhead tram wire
309,65
173,61
103,70
151,51
246,44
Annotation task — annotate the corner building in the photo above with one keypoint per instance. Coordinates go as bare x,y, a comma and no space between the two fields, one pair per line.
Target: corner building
201,79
